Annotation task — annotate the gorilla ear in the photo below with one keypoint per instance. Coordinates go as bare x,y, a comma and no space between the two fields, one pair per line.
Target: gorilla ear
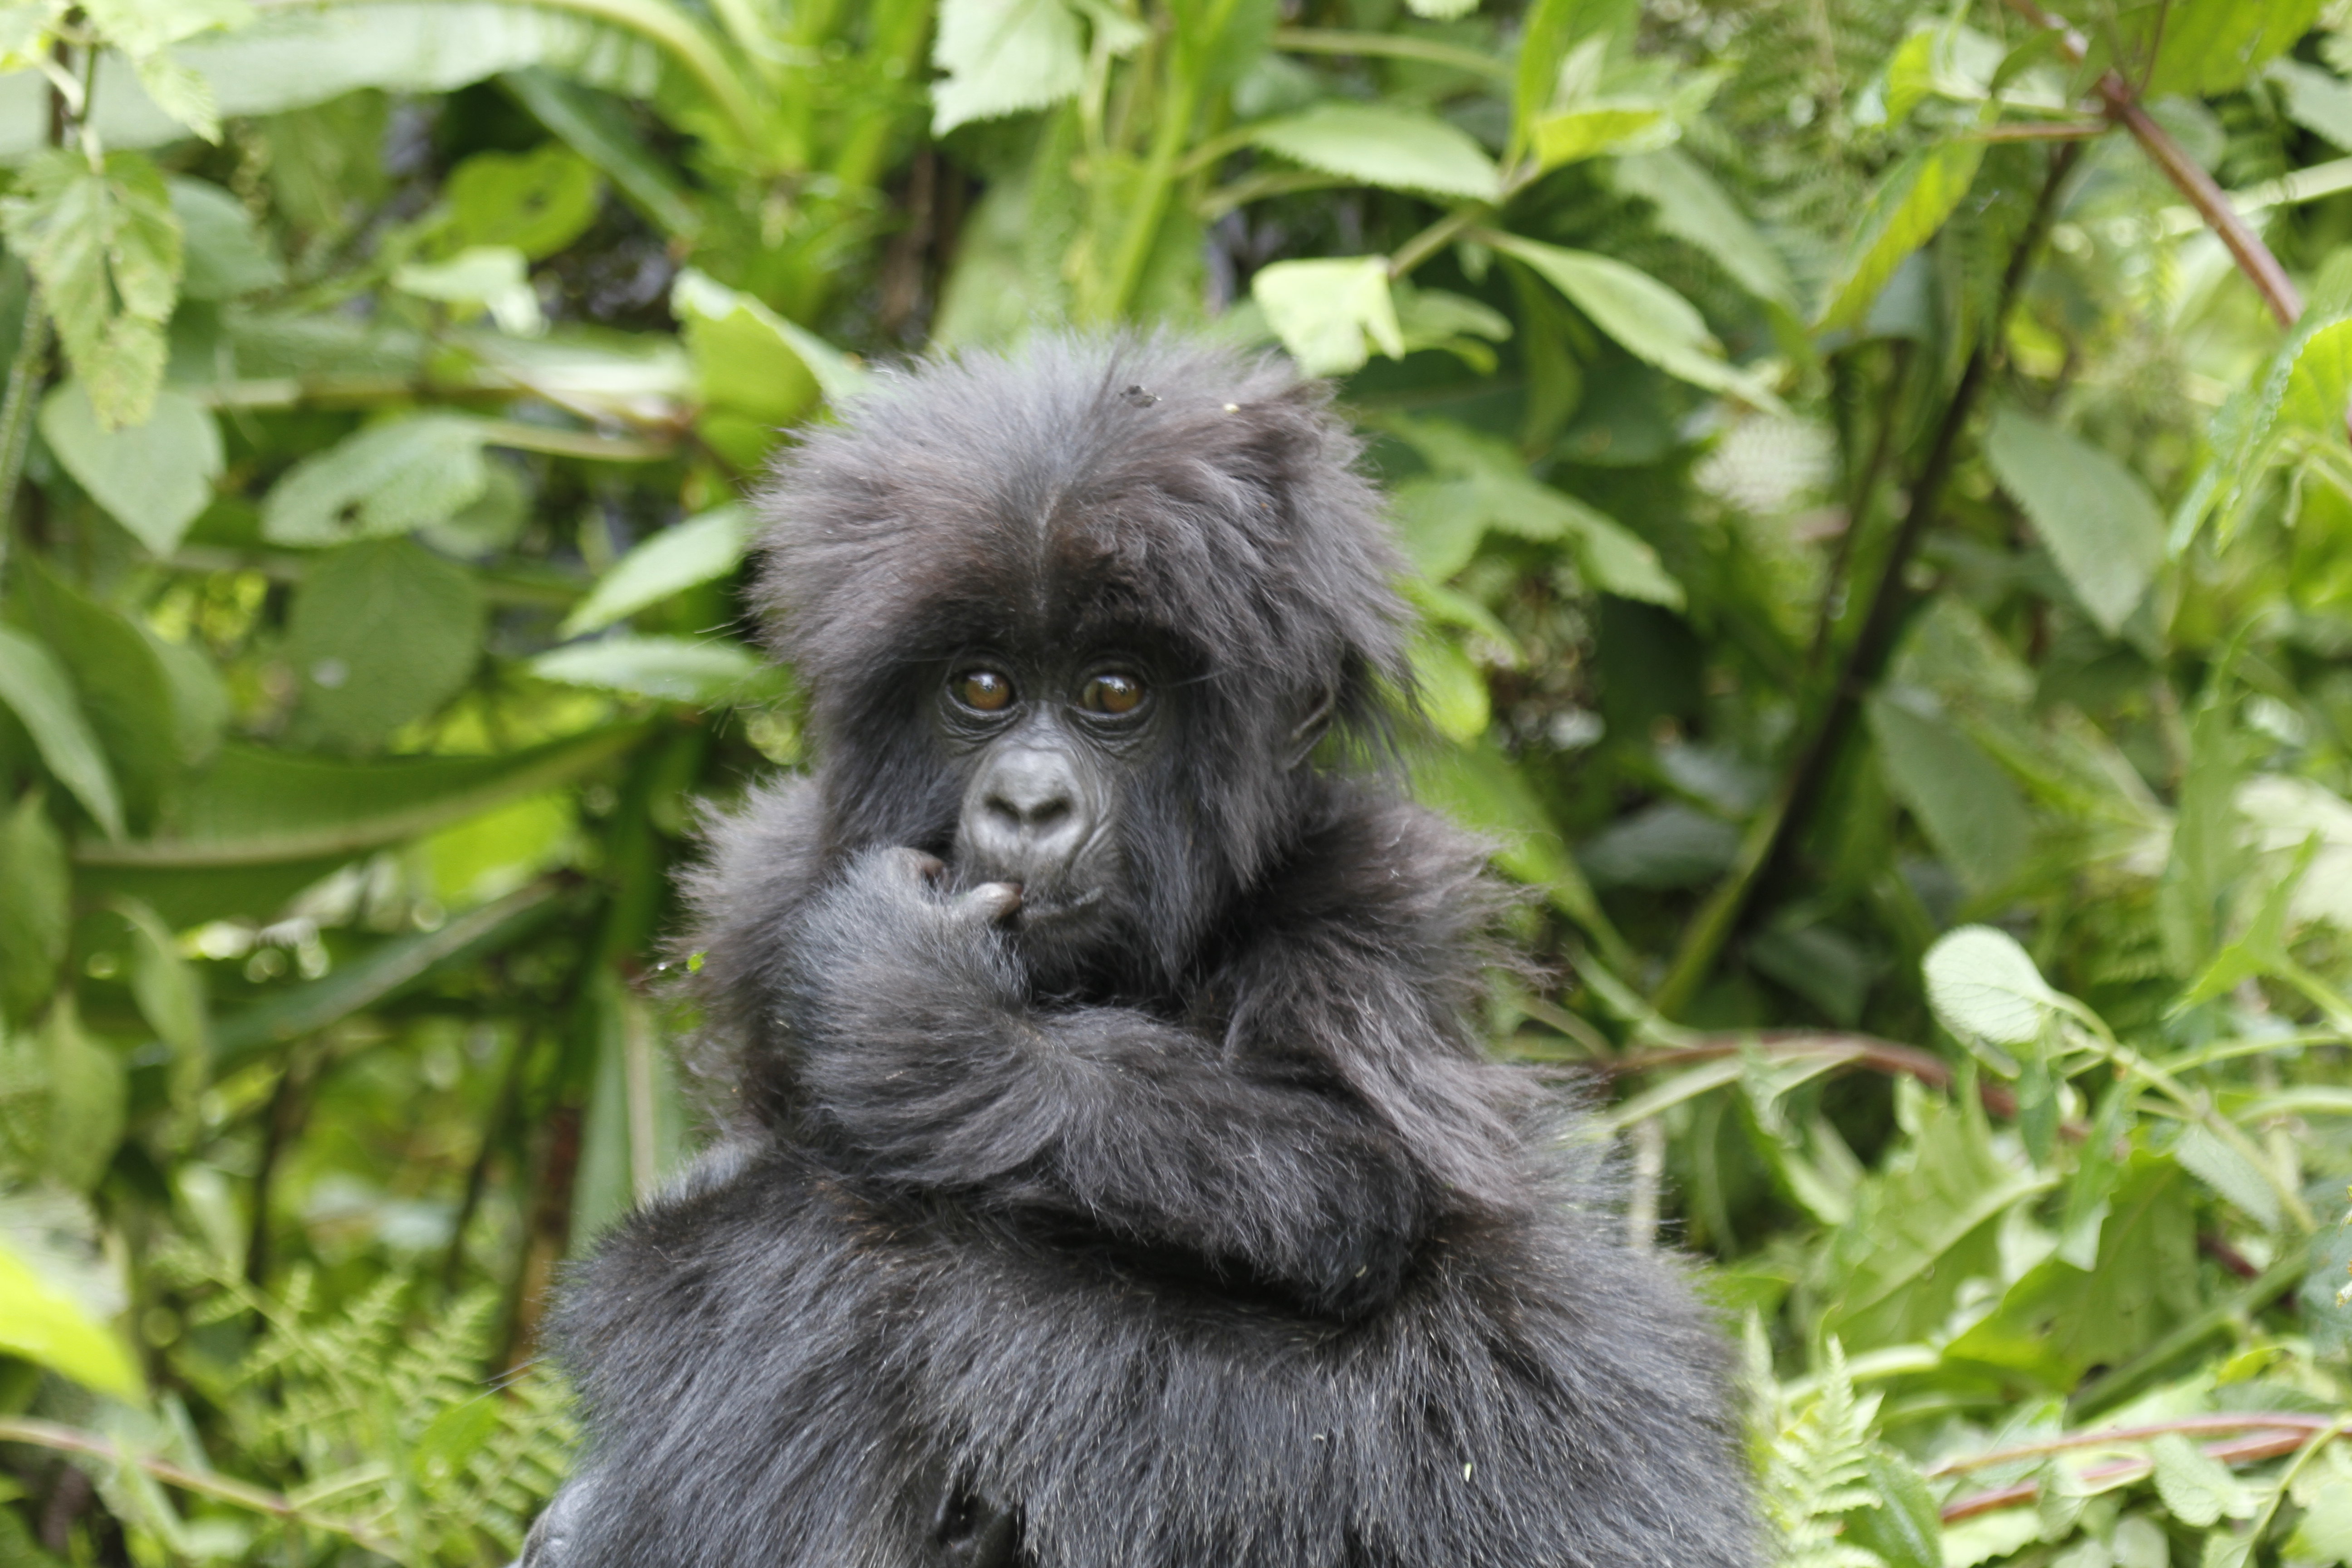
1309,732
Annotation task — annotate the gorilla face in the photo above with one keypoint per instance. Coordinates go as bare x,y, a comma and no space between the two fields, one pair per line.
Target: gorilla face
1049,749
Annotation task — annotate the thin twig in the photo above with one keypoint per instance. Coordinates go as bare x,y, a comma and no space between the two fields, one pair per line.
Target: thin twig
74,1440
2121,105
2285,1436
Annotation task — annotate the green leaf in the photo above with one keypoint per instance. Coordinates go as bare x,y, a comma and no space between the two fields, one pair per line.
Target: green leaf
1602,125
105,246
1984,986
671,668
2318,100
48,1327
87,1096
1478,788
1329,314
599,130
537,202
225,255
2205,47
1003,56
1905,1529
2101,525
677,558
1453,692
388,479
494,278
32,683
1390,148
1967,806
1695,209
381,633
2325,1534
169,995
2319,388
152,477
35,914
2197,1488
1648,319
2229,1172
752,361
1909,204
119,679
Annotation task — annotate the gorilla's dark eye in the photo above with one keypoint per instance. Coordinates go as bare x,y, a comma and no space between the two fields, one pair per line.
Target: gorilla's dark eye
1111,694
983,691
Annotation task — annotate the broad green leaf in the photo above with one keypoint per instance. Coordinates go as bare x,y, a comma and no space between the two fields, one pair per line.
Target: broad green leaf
1439,523
117,679
2100,523
2318,100
536,202
679,557
225,255
1922,1229
1441,10
105,246
1392,148
2229,1172
32,683
2324,1535
672,669
1553,29
2204,47
1910,204
1453,692
1436,318
151,478
1984,986
2060,1319
381,633
169,995
1331,314
2319,388
87,1096
34,912
1967,806
1649,321
46,1326
200,700
2198,1487
596,127
752,361
1602,125
386,479
1003,56
1905,1530
493,278
1693,208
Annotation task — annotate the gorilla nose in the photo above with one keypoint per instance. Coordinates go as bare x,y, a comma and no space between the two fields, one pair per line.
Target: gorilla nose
1025,816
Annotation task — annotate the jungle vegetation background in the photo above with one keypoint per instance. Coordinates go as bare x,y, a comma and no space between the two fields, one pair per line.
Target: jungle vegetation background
1877,488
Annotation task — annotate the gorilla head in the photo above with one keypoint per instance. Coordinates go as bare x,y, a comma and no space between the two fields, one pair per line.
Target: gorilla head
1092,667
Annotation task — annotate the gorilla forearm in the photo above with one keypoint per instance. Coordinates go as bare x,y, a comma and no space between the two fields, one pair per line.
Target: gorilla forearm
948,1077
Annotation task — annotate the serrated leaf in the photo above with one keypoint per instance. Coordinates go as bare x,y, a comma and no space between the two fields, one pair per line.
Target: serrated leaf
33,685
1905,1530
152,477
2228,1172
677,558
386,479
105,246
671,668
1003,56
1982,984
1330,313
1392,148
381,633
1909,204
1648,319
2102,526
2196,1487
46,1326
2319,388
1693,208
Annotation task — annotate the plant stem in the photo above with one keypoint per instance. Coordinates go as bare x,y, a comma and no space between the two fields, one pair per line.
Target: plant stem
2121,105
1326,41
1772,839
73,1440
24,373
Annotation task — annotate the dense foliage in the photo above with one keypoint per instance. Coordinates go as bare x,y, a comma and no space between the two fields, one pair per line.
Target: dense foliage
1882,514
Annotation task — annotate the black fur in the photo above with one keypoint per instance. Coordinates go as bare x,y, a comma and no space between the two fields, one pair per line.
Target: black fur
1225,1247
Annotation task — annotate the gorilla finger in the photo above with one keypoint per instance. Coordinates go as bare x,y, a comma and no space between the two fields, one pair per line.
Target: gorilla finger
990,902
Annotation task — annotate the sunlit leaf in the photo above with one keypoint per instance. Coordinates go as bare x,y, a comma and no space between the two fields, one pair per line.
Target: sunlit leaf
1384,146
677,558
1331,314
152,477
1002,56
1983,984
1910,204
386,479
2207,46
48,1327
1453,692
671,668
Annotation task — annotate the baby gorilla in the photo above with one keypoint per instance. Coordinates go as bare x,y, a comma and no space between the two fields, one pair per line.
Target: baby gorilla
1112,1176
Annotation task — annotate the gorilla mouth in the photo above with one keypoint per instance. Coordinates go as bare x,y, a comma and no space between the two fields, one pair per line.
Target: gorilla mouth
1035,910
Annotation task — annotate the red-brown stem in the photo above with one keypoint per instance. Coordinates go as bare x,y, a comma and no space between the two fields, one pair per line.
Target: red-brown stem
1863,1050
2119,104
2265,1445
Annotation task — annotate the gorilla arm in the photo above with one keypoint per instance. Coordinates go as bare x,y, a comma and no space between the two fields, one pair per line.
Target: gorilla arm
921,1048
